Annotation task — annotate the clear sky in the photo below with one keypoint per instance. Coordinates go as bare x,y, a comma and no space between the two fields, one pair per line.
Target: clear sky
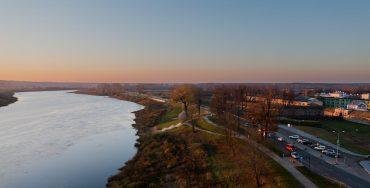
185,40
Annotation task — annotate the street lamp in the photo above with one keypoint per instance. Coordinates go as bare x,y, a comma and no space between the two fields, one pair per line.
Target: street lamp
338,133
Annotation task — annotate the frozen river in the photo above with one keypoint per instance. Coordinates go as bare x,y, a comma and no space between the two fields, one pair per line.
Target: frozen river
60,139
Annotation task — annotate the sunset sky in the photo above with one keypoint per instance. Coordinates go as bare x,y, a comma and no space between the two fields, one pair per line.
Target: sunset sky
185,40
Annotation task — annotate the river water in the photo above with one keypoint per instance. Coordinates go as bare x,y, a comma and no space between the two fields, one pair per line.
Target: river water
61,139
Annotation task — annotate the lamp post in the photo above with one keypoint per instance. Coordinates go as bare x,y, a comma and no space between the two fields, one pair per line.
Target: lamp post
338,142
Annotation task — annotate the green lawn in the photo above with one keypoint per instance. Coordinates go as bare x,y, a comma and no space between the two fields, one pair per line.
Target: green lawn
356,137
170,117
282,177
320,181
203,124
171,114
167,124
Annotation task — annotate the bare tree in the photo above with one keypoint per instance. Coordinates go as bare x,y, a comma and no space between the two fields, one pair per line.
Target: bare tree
267,112
198,99
184,94
258,165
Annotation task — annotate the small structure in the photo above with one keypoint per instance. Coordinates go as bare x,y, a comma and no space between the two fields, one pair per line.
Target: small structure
341,112
366,166
182,116
365,96
357,105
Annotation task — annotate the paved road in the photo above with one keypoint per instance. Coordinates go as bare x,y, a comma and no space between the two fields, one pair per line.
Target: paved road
323,168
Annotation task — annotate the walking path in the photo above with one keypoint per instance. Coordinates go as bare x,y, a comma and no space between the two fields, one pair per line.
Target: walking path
288,166
170,127
312,137
285,164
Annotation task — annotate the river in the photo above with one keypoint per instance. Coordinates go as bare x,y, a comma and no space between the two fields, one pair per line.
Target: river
61,139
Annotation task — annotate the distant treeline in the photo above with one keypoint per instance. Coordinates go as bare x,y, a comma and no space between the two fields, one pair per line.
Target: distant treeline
7,97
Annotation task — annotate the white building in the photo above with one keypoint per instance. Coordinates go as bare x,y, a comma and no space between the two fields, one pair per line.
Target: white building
357,105
337,94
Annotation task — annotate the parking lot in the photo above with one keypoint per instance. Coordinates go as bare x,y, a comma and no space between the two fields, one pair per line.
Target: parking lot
295,141
318,162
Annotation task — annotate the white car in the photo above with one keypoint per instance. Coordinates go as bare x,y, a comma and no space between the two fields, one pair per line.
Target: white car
320,148
295,155
280,139
329,152
294,137
302,140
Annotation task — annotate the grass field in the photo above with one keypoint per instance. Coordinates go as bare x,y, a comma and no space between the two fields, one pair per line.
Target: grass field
320,181
203,124
171,114
229,168
167,124
356,137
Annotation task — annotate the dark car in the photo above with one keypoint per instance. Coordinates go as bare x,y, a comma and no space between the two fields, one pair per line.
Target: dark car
307,143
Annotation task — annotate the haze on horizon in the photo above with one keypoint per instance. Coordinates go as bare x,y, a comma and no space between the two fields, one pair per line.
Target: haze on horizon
185,41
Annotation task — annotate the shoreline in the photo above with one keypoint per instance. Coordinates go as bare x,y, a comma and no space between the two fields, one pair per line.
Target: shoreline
145,119
7,98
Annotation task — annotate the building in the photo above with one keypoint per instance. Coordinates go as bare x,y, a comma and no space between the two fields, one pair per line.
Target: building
337,94
306,101
365,96
330,102
368,104
358,105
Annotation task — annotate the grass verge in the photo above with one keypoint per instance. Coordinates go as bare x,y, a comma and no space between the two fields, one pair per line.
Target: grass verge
320,181
356,137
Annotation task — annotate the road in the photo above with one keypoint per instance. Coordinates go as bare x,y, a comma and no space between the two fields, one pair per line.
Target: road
319,166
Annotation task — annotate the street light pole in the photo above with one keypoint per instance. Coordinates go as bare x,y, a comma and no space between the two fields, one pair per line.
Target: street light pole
338,142
336,158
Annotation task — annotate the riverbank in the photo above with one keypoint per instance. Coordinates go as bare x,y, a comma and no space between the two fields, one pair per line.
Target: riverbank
7,98
181,158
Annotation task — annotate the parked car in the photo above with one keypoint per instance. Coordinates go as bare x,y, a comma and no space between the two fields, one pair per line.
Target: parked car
295,155
289,147
320,148
270,134
307,143
314,145
301,140
280,138
295,137
329,152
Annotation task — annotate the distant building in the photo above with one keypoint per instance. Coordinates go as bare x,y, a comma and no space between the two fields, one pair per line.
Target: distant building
368,104
357,105
337,94
306,101
365,96
330,102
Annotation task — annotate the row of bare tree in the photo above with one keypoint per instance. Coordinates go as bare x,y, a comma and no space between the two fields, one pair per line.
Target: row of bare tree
231,104
109,89
234,105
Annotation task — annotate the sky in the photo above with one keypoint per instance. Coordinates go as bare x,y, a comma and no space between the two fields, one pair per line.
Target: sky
185,40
